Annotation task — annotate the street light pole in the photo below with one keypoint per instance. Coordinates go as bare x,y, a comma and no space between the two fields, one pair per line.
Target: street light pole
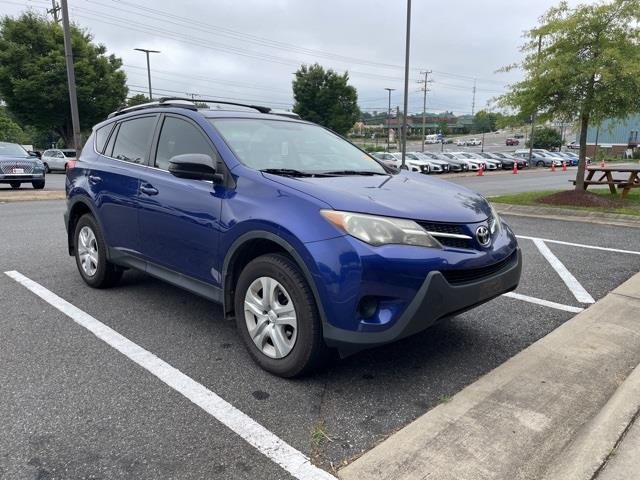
71,77
424,104
533,116
406,85
389,116
147,52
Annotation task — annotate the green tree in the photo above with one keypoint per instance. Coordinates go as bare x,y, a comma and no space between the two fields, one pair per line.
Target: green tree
588,67
546,137
137,99
325,97
33,78
484,121
10,131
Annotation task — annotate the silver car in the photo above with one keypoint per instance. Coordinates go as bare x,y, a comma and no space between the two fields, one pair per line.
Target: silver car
57,159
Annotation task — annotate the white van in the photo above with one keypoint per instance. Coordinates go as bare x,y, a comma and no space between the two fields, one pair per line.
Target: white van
431,139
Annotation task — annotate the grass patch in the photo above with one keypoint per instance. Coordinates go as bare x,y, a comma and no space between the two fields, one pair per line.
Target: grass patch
629,206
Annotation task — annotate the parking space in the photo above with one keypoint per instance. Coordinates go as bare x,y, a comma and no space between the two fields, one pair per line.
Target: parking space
73,404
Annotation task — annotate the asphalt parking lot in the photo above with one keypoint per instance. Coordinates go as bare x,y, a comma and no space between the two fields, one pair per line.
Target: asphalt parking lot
74,407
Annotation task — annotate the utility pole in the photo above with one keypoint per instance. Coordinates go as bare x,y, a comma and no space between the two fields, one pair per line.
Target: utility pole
424,103
71,77
148,67
533,116
55,8
389,116
406,85
473,102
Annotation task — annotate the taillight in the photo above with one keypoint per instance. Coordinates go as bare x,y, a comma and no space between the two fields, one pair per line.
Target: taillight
71,164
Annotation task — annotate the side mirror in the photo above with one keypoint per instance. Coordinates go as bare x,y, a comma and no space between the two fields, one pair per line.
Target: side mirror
32,154
194,166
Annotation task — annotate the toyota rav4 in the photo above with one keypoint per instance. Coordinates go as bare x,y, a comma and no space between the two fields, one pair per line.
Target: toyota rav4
309,242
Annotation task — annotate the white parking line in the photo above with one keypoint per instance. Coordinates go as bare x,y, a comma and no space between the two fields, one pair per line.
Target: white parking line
581,245
546,303
576,289
290,459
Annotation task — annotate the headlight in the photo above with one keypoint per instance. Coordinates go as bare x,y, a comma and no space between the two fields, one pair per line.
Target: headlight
495,224
377,231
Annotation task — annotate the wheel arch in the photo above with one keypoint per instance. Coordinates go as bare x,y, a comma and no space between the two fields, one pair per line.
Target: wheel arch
252,245
78,207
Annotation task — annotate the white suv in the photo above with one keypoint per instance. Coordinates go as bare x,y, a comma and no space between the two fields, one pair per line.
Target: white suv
56,159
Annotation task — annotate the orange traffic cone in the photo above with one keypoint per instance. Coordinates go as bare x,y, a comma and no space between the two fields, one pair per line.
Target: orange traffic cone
564,166
553,166
515,168
481,171
602,163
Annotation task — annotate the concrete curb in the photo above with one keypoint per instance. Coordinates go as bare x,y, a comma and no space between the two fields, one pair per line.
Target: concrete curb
30,196
567,214
590,450
519,420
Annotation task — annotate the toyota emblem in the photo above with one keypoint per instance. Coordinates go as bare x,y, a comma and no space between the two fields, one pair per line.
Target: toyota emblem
483,235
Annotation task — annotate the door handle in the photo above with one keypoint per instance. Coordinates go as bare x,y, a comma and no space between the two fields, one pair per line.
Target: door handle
149,189
93,179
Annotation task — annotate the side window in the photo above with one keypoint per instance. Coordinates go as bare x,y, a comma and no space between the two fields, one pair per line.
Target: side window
133,139
47,153
59,155
178,137
101,137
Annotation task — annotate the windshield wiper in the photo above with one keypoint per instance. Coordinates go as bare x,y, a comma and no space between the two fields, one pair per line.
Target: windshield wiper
290,172
354,172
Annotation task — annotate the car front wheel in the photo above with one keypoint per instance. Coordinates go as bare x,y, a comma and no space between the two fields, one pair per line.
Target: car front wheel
539,163
277,317
90,253
38,185
14,185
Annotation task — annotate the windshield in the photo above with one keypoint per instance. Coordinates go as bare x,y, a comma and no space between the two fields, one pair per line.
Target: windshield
12,150
280,145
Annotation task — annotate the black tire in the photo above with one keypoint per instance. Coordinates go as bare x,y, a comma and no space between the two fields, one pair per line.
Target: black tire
309,351
15,185
107,274
38,185
539,163
46,168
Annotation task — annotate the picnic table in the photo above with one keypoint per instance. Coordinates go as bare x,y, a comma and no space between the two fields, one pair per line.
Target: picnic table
631,180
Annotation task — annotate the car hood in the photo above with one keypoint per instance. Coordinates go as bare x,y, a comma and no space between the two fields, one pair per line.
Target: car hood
405,195
12,159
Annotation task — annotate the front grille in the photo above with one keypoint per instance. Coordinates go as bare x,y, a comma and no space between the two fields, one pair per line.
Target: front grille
7,167
456,277
448,228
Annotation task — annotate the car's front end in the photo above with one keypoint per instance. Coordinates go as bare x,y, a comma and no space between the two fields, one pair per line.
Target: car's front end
17,166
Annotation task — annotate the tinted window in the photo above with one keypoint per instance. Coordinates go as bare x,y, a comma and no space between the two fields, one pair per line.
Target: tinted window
69,153
134,137
178,137
101,137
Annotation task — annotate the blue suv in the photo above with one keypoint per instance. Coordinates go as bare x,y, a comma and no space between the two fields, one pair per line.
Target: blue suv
313,245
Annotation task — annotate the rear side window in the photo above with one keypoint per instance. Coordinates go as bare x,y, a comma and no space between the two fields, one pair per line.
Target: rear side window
179,137
101,137
134,137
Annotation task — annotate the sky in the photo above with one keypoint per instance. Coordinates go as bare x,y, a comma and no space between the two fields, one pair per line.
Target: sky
248,50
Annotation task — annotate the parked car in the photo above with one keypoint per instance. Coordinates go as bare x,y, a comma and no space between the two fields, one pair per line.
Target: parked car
477,159
457,156
17,166
412,163
386,158
574,145
474,142
451,165
435,165
460,143
576,157
57,159
508,160
512,141
309,243
518,135
538,158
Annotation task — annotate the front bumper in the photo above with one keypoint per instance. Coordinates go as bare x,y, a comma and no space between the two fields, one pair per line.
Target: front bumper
436,299
27,177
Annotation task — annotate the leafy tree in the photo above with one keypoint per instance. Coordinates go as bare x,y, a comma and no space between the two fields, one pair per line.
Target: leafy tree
546,137
137,99
484,121
10,131
33,77
588,67
324,97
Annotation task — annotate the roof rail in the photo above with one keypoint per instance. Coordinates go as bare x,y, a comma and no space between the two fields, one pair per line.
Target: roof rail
143,106
193,101
182,103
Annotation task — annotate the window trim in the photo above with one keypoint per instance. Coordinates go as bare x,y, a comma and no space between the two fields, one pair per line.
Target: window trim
116,130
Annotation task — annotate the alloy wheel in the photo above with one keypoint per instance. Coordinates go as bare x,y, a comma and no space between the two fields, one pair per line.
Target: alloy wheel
88,251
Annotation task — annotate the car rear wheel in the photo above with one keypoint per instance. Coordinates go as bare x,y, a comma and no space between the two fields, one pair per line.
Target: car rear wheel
539,163
38,185
90,253
277,317
46,168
